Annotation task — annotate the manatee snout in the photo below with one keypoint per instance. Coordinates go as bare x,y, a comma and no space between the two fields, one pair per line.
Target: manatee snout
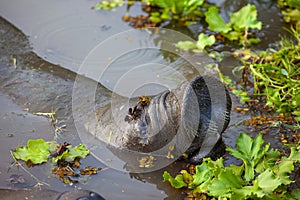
189,120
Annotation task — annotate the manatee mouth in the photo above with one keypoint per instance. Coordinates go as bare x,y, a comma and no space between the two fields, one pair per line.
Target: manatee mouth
156,125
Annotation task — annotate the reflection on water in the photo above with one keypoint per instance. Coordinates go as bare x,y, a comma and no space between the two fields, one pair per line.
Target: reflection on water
140,60
62,32
65,32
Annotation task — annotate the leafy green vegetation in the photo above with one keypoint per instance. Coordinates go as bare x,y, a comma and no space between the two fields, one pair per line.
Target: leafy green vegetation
264,174
65,158
172,9
108,5
203,41
239,25
38,151
71,153
275,74
291,11
237,29
189,12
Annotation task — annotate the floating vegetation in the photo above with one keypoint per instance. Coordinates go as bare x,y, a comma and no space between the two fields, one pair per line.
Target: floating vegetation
170,155
275,75
265,124
237,29
183,10
140,21
108,5
291,12
36,152
146,162
264,121
264,174
65,157
69,153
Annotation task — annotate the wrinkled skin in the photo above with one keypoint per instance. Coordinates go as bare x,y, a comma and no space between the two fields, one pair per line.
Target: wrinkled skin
188,117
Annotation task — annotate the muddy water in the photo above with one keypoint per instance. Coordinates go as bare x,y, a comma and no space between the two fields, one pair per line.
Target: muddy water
63,32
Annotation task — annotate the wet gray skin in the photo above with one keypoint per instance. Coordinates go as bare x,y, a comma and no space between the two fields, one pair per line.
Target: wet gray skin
186,117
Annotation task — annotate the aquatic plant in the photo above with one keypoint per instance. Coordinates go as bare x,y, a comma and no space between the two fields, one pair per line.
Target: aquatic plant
108,5
202,42
237,29
38,151
291,11
65,157
264,174
171,9
239,25
275,74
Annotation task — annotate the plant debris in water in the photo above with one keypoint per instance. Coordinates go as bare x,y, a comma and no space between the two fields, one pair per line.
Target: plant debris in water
237,29
140,21
108,5
275,74
146,162
291,11
184,10
264,123
265,173
64,156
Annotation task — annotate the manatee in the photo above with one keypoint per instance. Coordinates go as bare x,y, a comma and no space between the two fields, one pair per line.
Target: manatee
190,119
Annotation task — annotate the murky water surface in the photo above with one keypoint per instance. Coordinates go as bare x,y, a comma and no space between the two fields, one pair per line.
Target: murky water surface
79,39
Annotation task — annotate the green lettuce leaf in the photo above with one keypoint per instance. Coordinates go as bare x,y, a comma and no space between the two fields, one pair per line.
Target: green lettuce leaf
176,182
268,182
36,151
215,21
80,151
245,18
249,150
204,41
224,183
